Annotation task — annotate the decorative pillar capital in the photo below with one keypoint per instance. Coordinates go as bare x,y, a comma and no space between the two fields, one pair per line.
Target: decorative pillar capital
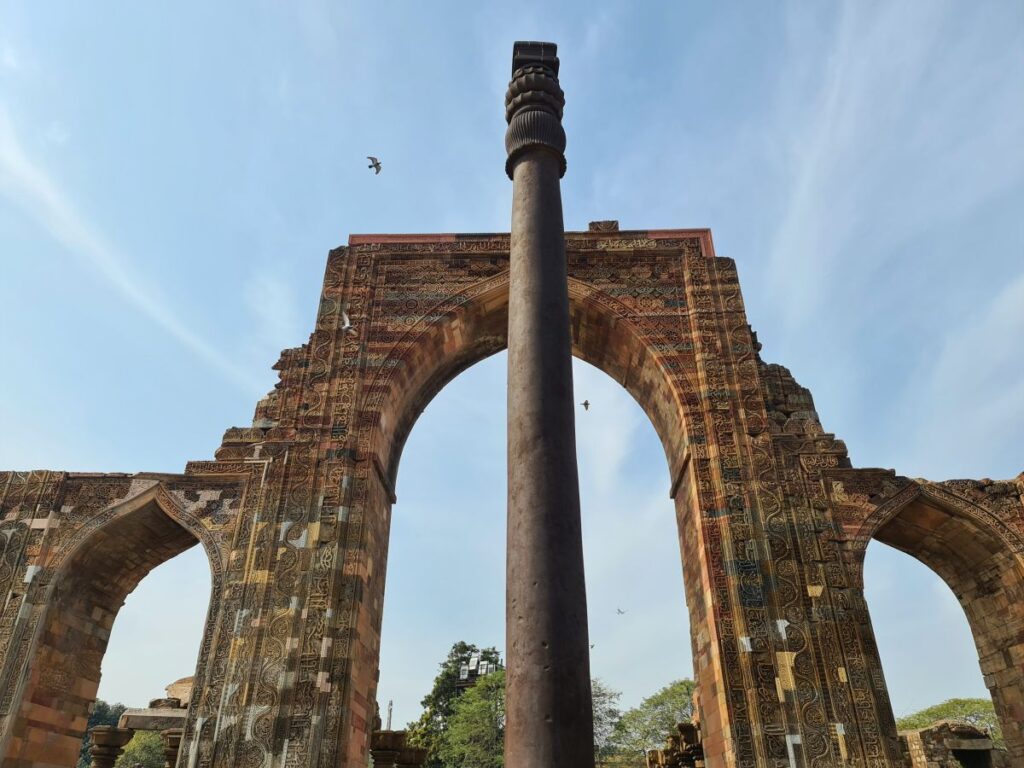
534,103
106,743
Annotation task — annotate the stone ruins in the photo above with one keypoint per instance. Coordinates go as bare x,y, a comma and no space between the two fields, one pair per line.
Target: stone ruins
950,744
293,512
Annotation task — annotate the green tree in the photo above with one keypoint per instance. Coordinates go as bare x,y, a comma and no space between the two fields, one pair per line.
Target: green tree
649,724
438,705
978,712
145,749
102,714
475,737
469,730
606,716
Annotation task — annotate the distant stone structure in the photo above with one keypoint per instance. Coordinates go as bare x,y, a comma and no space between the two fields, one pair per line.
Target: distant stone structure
952,744
181,690
390,749
682,749
294,514
161,714
106,743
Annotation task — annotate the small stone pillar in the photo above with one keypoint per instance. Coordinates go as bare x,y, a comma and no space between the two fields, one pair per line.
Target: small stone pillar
106,743
391,750
172,743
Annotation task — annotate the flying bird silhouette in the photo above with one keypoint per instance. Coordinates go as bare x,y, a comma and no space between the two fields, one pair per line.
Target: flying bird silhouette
374,163
620,612
586,405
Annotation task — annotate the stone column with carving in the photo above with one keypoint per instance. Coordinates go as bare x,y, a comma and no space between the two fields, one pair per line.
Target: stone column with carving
171,739
548,698
106,743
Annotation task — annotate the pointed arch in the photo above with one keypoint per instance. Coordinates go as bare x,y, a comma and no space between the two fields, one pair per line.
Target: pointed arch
921,493
645,355
473,324
80,590
981,559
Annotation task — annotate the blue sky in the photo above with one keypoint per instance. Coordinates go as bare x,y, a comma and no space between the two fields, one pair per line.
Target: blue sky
172,177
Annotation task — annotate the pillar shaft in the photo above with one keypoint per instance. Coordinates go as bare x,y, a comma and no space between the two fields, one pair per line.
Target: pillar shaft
549,718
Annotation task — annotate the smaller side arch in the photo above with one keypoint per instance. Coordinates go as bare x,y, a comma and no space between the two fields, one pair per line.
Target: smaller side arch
80,585
159,495
977,551
936,496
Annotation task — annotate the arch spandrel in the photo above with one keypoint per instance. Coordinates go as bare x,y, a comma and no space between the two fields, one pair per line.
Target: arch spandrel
472,325
866,501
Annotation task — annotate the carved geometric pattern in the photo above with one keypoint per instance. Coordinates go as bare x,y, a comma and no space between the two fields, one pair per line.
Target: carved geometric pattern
294,515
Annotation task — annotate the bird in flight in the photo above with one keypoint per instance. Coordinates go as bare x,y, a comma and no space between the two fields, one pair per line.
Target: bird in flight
374,163
586,405
620,612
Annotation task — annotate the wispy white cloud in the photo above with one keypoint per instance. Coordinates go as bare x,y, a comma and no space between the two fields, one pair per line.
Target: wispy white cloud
276,318
977,370
879,146
599,30
321,28
27,185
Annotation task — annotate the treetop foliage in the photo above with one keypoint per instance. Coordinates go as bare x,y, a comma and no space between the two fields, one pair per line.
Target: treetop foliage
475,737
468,731
606,716
649,724
438,705
977,712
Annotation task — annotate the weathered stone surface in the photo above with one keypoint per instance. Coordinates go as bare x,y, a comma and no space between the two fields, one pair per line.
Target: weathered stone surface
294,513
682,749
951,744
106,743
181,690
171,738
152,719
390,749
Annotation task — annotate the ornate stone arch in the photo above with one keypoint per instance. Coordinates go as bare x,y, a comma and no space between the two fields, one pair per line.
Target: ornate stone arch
472,325
937,495
159,495
979,553
772,517
74,590
642,341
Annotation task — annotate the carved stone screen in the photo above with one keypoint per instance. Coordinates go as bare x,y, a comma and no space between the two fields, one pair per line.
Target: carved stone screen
294,514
